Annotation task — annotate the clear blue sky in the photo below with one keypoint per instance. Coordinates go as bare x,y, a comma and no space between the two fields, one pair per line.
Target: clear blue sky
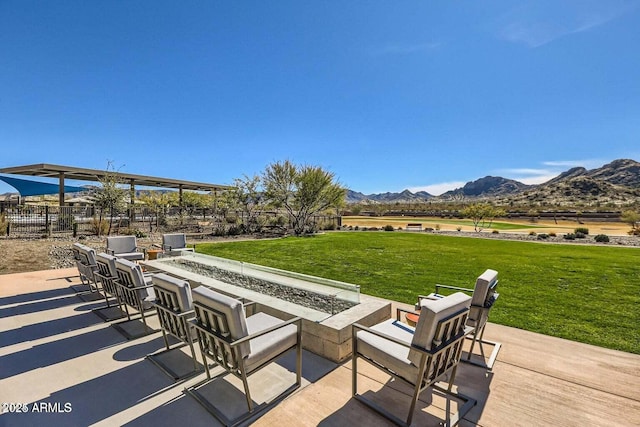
387,95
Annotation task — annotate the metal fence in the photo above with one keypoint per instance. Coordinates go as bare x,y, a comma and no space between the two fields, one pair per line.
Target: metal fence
33,220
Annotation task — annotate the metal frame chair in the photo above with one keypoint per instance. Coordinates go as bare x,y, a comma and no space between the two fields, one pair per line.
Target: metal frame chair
107,275
125,247
174,305
175,244
418,357
241,346
484,296
85,258
136,292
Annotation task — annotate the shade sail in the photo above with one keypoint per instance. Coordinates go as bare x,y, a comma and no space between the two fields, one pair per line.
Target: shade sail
36,188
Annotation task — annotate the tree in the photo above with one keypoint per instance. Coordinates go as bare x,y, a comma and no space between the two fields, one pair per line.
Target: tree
633,219
482,215
303,191
109,196
247,195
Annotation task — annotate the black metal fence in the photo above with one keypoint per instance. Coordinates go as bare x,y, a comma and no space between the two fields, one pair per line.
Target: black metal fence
33,220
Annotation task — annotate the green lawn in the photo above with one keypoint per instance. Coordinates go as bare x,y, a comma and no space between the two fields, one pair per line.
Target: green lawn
589,294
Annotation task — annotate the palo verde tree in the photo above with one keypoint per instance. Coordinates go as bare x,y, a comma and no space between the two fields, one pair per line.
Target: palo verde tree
303,191
248,197
633,219
109,196
482,215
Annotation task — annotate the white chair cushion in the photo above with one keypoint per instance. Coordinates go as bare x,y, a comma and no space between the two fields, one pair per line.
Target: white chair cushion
432,312
269,345
231,308
181,288
389,354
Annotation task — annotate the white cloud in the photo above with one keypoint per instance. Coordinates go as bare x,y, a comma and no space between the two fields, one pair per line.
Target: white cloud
437,189
541,22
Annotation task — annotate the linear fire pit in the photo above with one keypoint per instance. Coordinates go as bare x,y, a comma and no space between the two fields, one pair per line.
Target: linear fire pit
328,307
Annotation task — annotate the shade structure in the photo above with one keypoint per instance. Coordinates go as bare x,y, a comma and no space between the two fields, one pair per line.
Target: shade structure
27,187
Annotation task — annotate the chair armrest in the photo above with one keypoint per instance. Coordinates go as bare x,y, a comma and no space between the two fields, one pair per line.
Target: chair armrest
402,310
297,320
454,288
178,314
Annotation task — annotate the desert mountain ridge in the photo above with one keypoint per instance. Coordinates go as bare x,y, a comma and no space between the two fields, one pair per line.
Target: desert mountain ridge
617,182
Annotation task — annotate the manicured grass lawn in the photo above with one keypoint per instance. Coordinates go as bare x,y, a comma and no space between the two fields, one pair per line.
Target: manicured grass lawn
589,294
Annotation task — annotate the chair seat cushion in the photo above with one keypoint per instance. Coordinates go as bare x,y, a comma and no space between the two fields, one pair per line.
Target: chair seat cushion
389,354
269,345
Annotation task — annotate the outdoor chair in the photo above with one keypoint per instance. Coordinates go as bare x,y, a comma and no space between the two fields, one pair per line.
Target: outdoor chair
124,247
136,292
241,346
85,258
107,275
175,244
484,296
174,305
419,357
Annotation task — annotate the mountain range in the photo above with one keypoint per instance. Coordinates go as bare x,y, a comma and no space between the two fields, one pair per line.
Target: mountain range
617,182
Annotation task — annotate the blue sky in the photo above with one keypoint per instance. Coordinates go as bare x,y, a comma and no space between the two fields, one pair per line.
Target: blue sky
387,95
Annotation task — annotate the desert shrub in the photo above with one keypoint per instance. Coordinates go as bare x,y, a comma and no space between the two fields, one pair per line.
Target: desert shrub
495,232
65,222
459,228
388,227
532,233
634,232
329,226
99,226
235,229
438,227
570,236
582,230
552,234
4,223
601,238
133,232
543,236
356,228
580,235
373,228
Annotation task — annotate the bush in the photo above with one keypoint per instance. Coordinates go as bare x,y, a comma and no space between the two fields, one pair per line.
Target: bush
543,236
438,227
357,228
580,235
552,234
582,230
601,238
495,232
532,233
373,228
99,227
570,236
329,226
133,232
388,227
459,228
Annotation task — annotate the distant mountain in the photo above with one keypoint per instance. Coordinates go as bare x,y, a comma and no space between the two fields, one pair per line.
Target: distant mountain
489,186
615,183
405,196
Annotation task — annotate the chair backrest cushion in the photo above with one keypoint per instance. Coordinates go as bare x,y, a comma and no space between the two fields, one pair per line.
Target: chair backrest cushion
231,309
174,241
179,287
483,283
132,269
109,261
121,244
431,313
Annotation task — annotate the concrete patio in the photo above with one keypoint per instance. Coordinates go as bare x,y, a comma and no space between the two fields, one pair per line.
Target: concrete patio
57,356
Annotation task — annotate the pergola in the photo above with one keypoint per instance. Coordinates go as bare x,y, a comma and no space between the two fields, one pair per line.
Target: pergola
95,175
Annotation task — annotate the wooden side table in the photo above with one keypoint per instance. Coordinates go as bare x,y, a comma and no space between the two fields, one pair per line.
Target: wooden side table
153,253
412,318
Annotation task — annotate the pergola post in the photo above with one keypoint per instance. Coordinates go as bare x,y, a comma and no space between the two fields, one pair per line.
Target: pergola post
180,203
132,197
61,189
